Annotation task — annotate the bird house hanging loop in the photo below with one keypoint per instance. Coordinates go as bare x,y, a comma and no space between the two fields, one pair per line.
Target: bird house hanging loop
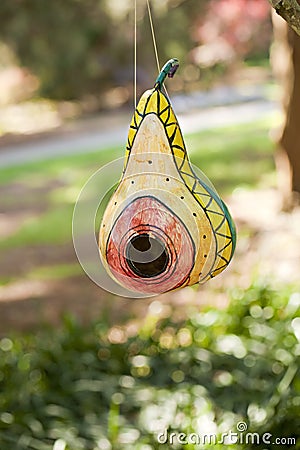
165,227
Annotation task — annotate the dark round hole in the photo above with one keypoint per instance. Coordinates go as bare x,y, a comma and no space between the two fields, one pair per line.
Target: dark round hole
146,256
149,162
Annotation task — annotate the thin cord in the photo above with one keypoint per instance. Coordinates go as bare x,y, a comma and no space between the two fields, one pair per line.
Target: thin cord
153,36
154,42
135,49
135,54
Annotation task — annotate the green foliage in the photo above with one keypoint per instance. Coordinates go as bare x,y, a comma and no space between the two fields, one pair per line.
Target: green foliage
93,388
61,42
82,47
78,49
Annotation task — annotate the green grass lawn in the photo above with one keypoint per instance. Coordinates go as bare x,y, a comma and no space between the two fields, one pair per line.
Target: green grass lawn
237,156
221,153
231,157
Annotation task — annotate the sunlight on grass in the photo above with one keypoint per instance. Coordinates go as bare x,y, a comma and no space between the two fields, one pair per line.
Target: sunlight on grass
52,227
60,167
46,272
56,271
240,155
246,143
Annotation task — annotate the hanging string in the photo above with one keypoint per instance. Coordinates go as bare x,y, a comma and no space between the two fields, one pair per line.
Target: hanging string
135,48
154,42
153,36
134,55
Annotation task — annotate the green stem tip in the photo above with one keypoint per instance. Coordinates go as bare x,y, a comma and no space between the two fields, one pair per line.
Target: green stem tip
169,70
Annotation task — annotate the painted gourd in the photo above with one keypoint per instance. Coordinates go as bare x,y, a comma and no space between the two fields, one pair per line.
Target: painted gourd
164,227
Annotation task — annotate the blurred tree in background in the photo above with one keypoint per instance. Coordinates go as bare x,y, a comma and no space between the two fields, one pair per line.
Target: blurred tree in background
80,48
286,65
61,42
231,31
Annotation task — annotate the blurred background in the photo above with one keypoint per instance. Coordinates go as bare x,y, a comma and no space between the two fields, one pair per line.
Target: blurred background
84,369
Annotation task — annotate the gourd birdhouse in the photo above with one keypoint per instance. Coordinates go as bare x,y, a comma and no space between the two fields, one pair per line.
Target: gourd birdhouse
165,227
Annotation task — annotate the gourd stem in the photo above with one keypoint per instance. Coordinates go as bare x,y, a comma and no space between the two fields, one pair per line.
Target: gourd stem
169,70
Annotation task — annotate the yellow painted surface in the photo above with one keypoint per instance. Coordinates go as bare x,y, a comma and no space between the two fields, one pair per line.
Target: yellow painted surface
157,165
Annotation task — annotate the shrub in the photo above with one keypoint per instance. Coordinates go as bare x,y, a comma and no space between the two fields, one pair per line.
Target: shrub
96,388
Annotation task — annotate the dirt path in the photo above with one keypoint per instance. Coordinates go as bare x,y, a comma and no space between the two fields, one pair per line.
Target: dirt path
102,133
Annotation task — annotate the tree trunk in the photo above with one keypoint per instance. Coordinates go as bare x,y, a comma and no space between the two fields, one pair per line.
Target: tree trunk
286,64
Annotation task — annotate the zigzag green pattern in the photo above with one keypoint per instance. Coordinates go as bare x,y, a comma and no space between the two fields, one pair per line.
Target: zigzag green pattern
155,102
